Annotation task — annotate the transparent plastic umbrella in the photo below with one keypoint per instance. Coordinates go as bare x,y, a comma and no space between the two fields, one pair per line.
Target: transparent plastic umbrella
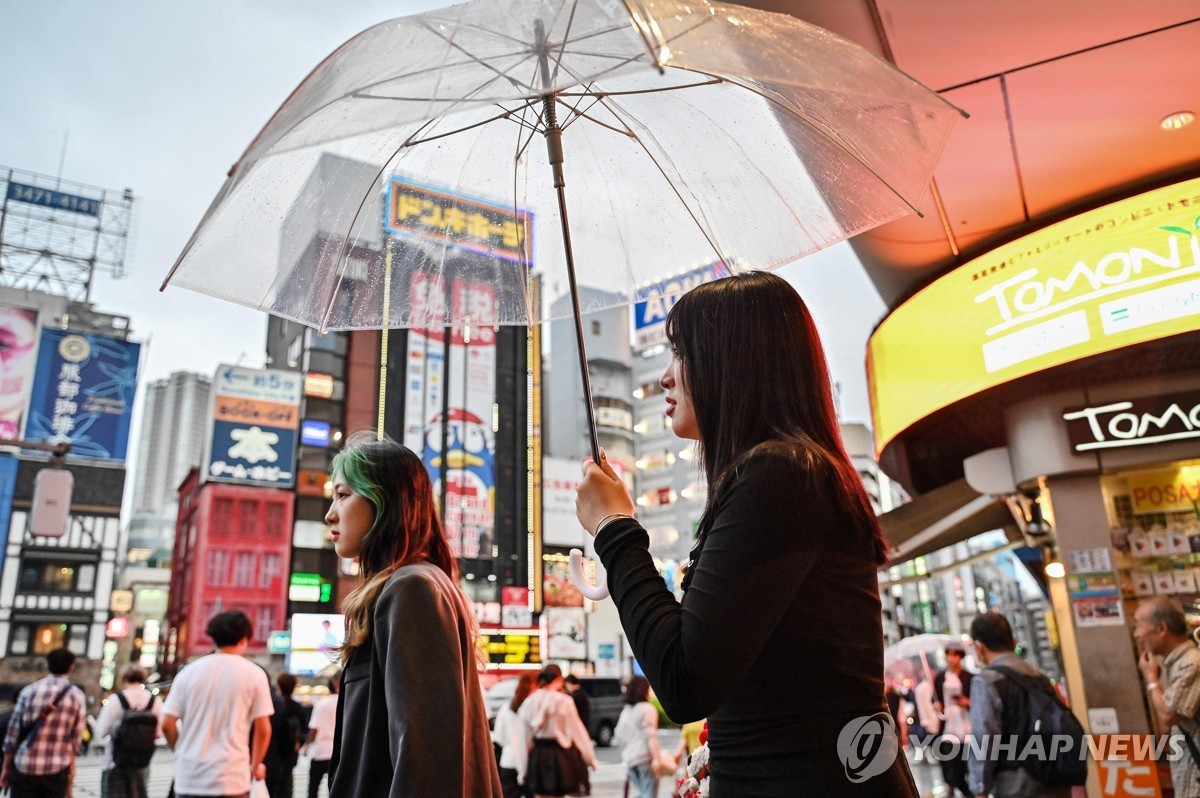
404,183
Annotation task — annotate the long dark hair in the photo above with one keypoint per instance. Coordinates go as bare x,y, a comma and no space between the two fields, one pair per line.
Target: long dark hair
406,529
637,690
755,370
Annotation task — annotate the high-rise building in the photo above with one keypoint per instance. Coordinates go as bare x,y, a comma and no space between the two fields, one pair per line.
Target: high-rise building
174,411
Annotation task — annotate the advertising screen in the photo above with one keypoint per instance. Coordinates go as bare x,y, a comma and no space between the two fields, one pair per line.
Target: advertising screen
314,637
1120,275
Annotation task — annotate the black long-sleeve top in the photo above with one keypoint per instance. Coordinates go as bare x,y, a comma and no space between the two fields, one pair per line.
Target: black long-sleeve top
778,640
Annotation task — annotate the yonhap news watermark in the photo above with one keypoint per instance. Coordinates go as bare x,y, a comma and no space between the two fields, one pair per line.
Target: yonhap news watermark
870,744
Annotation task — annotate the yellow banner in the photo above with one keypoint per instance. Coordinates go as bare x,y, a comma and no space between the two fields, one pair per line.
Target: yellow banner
1117,276
1166,491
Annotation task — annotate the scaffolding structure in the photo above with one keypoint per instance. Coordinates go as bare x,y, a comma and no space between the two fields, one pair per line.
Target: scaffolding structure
55,233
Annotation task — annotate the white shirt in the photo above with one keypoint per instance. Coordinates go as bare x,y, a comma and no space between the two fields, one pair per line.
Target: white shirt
513,737
635,727
110,716
324,717
216,698
958,721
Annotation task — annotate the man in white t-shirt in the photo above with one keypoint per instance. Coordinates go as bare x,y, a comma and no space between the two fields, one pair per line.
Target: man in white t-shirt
320,737
214,703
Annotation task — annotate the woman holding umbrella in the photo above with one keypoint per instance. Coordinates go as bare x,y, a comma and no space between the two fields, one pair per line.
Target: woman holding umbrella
411,719
778,638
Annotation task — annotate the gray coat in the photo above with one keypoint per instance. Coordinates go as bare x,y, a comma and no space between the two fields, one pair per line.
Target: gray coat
411,720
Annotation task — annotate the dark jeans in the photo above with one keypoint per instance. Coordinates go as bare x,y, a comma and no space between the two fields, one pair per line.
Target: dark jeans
317,770
954,769
53,785
279,784
510,787
123,783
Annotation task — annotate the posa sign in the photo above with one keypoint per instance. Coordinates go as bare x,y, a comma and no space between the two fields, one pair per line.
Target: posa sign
1137,422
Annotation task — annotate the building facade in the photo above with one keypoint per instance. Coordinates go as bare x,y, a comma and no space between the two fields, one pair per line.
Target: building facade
174,415
232,551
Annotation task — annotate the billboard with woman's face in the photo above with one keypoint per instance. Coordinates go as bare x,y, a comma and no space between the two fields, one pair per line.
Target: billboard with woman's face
18,359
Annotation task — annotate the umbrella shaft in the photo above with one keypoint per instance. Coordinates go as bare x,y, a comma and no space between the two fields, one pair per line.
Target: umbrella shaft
554,146
576,313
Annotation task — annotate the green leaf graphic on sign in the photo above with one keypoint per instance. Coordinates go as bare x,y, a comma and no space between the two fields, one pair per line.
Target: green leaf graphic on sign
1175,229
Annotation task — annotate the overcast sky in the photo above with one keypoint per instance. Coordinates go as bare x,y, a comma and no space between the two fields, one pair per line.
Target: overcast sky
163,97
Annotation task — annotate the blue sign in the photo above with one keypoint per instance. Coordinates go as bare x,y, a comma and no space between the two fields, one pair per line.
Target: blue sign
83,393
8,485
314,433
261,455
606,651
53,199
652,303
256,413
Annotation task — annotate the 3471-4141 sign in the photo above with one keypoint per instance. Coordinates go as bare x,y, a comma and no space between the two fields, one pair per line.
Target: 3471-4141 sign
1136,422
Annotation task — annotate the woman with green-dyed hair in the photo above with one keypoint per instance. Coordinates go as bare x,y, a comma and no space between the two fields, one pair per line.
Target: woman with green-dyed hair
411,718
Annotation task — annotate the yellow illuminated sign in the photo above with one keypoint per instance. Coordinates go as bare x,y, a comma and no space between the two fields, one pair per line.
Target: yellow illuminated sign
1167,491
475,225
1113,277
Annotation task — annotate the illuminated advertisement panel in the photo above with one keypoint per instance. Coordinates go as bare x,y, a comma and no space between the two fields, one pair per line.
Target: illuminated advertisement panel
1120,275
450,382
313,643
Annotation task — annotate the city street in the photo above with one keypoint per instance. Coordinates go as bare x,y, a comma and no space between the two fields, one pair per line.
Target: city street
607,782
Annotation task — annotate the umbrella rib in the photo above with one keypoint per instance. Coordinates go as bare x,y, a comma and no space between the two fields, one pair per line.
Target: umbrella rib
507,114
715,81
674,190
473,57
562,47
577,114
533,129
574,109
819,127
521,229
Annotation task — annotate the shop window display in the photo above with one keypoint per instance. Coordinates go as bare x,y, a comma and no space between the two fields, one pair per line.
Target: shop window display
1154,516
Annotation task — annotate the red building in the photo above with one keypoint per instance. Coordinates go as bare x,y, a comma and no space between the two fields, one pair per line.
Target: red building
232,551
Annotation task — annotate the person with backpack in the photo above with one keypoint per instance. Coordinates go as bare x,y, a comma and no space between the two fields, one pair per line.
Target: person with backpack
1161,630
1009,700
132,720
44,733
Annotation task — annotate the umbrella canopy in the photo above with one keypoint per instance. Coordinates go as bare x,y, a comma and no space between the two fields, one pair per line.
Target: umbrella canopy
405,184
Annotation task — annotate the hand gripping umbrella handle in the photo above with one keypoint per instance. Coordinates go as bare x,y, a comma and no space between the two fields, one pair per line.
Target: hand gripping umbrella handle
594,592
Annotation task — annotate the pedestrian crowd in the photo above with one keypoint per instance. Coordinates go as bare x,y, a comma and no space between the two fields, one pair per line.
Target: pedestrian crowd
776,642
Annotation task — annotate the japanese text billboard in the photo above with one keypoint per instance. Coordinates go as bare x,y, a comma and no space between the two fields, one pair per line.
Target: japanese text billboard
255,417
1120,275
83,393
450,372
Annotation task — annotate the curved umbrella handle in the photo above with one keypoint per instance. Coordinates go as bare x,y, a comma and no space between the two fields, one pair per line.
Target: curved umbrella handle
593,592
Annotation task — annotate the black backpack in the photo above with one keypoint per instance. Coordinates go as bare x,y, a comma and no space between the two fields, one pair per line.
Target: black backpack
1046,717
133,739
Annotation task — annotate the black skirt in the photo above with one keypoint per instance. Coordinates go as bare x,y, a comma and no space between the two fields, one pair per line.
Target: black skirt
554,770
